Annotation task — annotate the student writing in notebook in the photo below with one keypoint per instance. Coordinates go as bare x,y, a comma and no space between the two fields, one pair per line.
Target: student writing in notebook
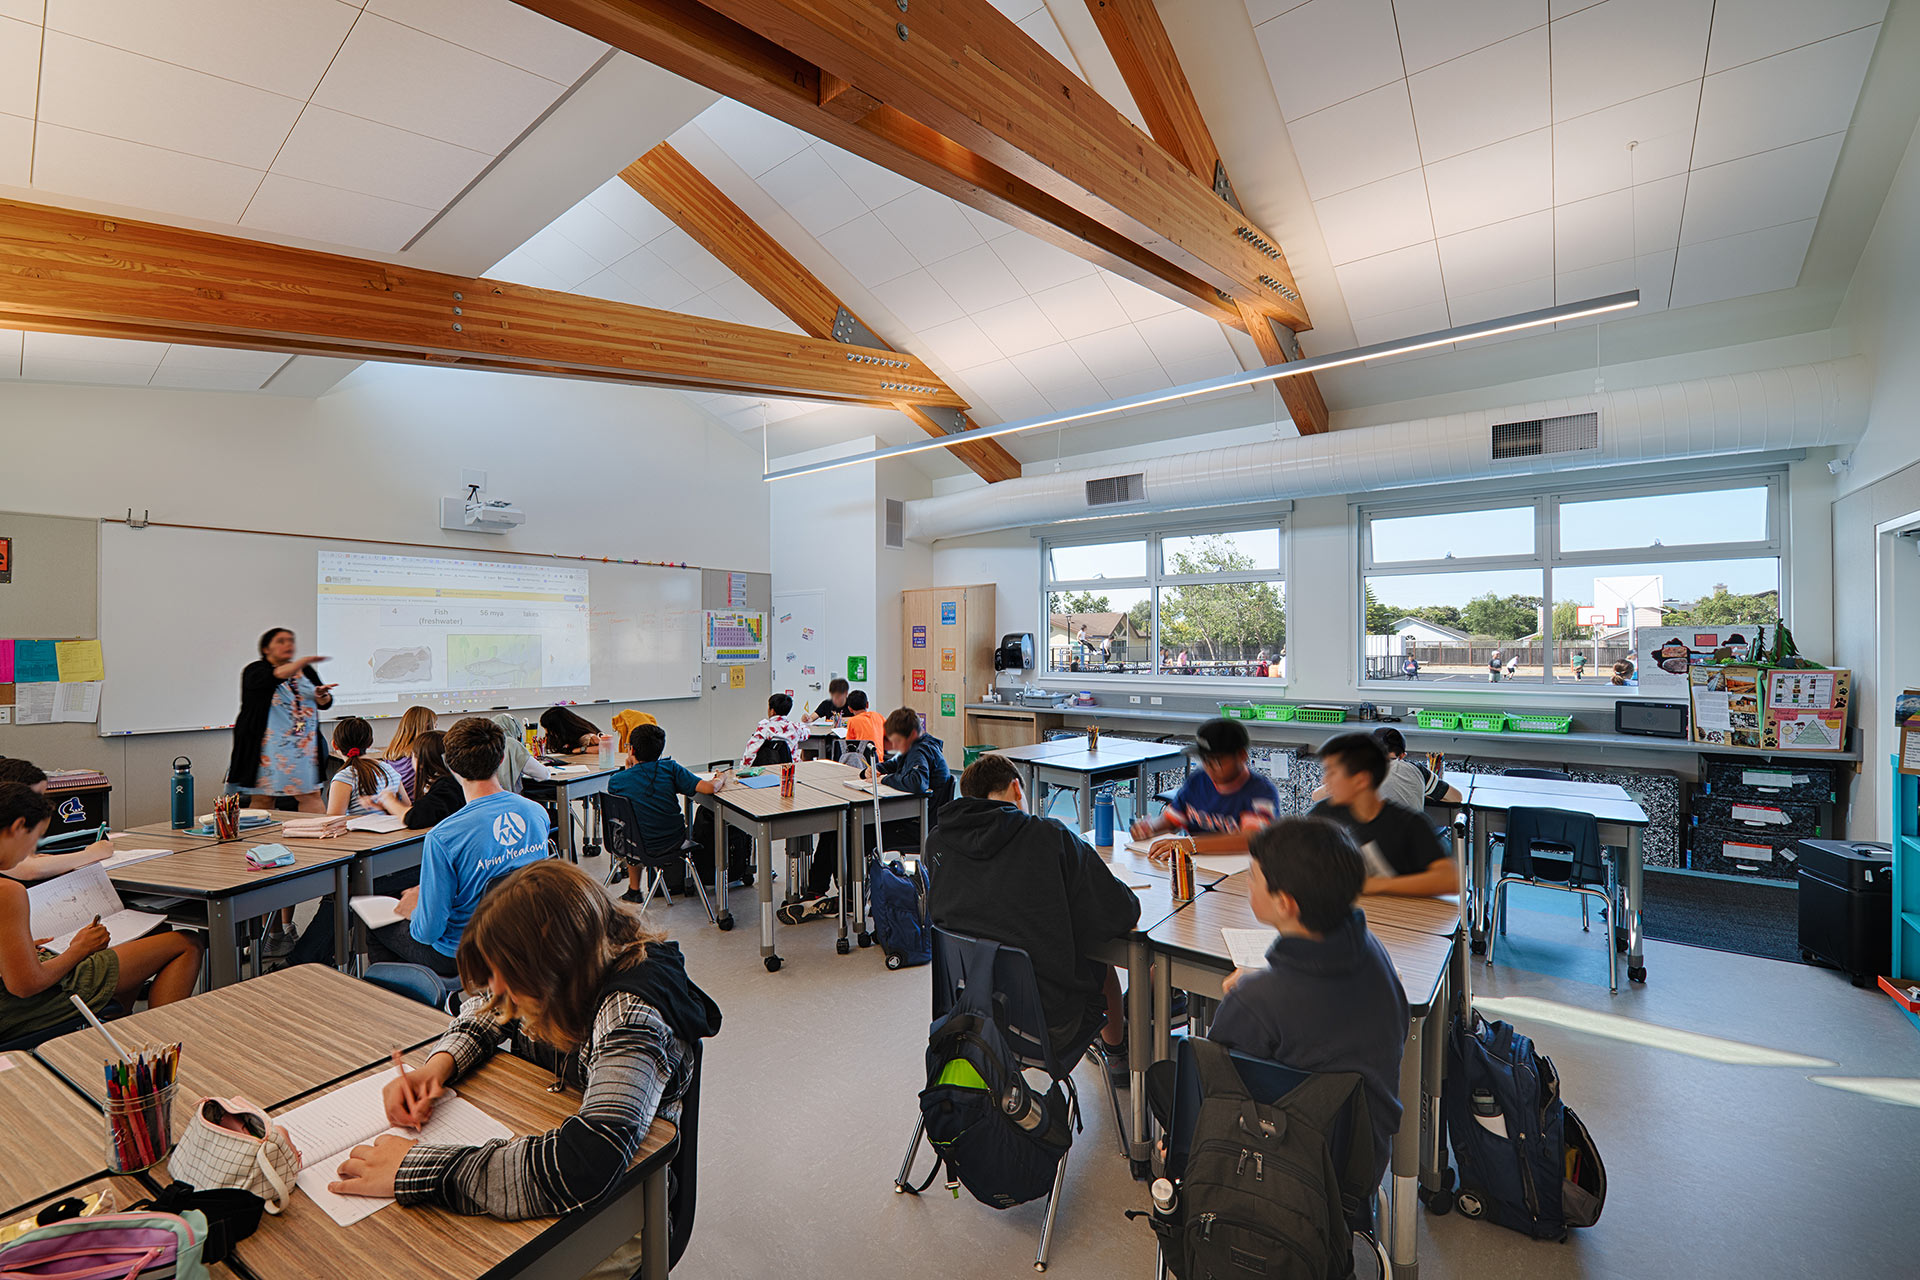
36,984
44,866
834,704
1219,806
581,987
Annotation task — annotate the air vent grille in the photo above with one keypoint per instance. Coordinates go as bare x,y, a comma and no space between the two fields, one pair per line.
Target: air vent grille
896,523
1570,433
1111,491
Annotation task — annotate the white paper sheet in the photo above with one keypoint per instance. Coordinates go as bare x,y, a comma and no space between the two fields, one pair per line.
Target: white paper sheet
376,911
1710,711
1248,947
77,702
1223,864
61,907
327,1129
127,857
34,703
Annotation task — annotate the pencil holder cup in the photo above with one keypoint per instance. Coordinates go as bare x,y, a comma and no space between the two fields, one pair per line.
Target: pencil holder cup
139,1129
786,782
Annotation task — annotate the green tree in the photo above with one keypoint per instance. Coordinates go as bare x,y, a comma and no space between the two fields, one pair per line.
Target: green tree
1444,615
1724,608
1381,617
1566,623
1498,617
1140,617
1079,602
1221,620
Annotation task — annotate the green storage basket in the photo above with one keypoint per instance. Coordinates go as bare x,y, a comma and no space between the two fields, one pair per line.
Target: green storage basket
1239,711
970,754
1320,715
1273,711
1539,724
1448,720
1483,721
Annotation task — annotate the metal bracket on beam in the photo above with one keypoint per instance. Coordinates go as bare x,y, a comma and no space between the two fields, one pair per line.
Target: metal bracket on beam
848,329
952,421
1223,186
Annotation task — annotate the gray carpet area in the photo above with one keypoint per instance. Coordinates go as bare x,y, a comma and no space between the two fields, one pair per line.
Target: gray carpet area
1755,918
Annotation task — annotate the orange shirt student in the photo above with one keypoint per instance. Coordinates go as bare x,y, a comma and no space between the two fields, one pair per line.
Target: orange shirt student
863,723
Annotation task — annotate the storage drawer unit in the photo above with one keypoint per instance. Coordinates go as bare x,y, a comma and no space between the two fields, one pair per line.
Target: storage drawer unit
1759,854
1773,817
1796,783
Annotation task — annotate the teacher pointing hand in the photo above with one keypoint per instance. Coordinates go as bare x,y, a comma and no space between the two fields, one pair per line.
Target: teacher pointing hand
278,749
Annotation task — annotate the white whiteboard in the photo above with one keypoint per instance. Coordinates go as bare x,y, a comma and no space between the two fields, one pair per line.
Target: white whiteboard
181,611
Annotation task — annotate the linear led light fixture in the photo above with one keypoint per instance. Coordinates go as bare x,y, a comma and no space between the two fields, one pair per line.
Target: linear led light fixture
1274,372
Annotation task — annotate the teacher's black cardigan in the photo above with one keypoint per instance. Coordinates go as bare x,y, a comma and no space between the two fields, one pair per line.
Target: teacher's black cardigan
250,727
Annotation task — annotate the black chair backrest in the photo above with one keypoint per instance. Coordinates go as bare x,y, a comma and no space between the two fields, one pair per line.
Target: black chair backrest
1549,775
1578,833
1008,971
620,826
683,1172
773,751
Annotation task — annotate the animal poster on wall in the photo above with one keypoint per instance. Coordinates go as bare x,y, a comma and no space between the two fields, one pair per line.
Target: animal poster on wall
1666,654
1727,706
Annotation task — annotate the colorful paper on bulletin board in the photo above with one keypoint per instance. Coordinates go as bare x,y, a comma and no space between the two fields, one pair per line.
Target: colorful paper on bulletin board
947,703
79,660
35,662
6,662
733,636
949,613
856,669
919,681
1910,751
947,659
919,637
736,677
736,591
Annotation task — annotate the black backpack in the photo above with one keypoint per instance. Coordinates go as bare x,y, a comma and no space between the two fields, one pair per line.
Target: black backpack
1526,1161
996,1136
1260,1197
901,923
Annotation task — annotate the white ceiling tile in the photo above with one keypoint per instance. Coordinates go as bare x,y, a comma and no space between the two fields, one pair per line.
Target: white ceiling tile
1067,397
1766,190
1219,364
10,353
70,162
756,142
1017,326
16,153
598,235
1261,10
976,279
1004,388
562,258
33,11
1114,352
1733,267
1434,31
122,95
708,307
406,78
1357,141
1492,257
1491,304
1038,265
1136,382
870,184
1803,93
500,29
1487,95
339,150
1393,281
207,379
929,224
260,364
917,301
1182,335
690,258
1400,324
750,307
811,192
1624,49
1652,274
73,346
1380,216
328,214
282,46
629,210
521,267
609,284
88,371
989,227
1326,51
1080,307
19,67
869,251
1618,225
1018,10
1744,30
1637,141
1138,301
1051,367
1557,9
959,344
1493,184
662,286
1046,33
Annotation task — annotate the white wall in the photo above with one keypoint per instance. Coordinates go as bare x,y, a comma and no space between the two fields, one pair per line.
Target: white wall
1881,316
599,469
824,540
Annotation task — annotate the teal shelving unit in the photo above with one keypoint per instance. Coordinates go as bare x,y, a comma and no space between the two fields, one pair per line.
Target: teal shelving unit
1906,878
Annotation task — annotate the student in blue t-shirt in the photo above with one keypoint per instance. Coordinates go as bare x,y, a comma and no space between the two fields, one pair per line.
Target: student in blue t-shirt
1222,804
653,784
493,833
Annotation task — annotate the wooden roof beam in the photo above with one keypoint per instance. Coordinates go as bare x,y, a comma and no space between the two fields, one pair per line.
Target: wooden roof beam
666,180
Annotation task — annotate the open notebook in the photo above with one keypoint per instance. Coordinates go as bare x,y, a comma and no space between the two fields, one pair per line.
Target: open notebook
326,1130
61,907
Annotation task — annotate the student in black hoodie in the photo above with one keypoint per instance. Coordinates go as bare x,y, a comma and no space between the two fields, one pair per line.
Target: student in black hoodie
583,989
1328,998
919,766
1002,873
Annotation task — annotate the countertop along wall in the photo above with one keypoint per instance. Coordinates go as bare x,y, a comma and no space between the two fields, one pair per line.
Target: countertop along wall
599,470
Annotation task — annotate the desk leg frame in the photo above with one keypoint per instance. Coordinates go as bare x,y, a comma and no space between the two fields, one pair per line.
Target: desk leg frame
1139,1049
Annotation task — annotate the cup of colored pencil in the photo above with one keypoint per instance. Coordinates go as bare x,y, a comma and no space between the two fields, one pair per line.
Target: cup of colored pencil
140,1108
226,817
786,782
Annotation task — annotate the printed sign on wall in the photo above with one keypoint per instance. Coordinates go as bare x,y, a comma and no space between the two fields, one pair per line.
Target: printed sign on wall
949,613
947,659
919,681
946,704
856,670
919,637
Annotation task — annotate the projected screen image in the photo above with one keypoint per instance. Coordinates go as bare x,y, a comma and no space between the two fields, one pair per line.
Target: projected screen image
451,633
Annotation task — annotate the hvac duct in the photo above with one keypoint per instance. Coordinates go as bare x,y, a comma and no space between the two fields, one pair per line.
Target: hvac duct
1803,407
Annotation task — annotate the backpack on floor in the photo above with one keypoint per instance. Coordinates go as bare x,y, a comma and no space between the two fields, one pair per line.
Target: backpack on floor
901,923
997,1136
1526,1161
1260,1195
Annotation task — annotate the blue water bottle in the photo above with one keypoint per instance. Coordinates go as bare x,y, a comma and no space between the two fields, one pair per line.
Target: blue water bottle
180,792
1103,820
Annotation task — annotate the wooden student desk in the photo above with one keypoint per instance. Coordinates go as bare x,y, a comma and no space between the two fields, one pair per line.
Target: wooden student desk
428,1243
269,1040
50,1137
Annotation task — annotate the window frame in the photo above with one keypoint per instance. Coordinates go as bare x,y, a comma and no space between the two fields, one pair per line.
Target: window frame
1154,581
1547,556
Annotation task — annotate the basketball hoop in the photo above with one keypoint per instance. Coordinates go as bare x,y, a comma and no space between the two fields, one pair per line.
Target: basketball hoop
1591,616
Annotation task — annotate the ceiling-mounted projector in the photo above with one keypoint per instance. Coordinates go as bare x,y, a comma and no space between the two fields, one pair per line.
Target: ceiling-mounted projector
475,514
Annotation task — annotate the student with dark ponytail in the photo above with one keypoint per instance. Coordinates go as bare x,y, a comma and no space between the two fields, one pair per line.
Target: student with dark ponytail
357,787
568,732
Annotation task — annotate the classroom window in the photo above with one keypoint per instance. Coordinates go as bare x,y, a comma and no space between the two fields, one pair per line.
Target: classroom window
1207,603
1554,587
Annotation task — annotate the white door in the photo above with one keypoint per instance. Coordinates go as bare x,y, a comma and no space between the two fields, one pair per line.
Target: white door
800,646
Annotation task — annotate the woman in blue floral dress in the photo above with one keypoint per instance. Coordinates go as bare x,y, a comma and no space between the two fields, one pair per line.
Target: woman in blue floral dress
278,749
